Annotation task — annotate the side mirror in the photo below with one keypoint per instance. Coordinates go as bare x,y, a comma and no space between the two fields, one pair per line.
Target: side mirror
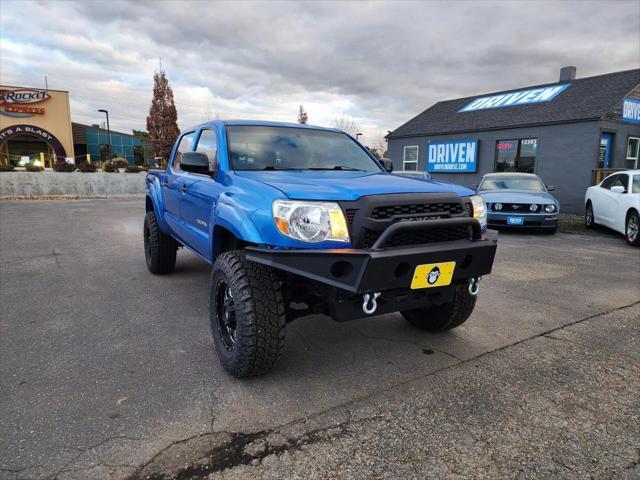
195,162
550,188
618,189
387,163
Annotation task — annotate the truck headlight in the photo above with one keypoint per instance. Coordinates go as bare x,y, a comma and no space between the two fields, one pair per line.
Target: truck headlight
479,210
310,221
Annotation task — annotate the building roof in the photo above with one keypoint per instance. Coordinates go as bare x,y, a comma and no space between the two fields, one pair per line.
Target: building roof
589,98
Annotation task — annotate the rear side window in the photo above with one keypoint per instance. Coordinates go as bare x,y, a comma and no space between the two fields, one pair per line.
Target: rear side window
185,145
208,145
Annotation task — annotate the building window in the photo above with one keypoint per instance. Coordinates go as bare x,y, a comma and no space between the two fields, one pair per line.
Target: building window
410,158
633,148
516,155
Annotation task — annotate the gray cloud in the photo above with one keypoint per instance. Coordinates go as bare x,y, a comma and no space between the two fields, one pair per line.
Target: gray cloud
380,63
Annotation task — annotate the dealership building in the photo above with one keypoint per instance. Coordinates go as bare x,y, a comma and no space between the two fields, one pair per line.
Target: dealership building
36,126
571,133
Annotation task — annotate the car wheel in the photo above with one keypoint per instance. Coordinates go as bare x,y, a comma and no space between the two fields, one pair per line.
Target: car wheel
446,316
632,229
247,315
589,219
159,249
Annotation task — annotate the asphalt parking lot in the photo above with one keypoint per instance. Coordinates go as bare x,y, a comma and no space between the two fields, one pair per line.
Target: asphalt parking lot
109,372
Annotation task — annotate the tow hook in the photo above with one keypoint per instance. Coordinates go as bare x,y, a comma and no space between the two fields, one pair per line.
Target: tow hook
367,297
474,286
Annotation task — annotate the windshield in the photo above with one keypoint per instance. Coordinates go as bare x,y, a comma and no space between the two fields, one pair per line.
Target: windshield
512,183
290,148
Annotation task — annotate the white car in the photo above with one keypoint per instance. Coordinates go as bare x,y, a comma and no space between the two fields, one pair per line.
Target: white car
615,203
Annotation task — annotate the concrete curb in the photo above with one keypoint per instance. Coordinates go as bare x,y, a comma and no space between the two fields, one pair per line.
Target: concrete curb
48,184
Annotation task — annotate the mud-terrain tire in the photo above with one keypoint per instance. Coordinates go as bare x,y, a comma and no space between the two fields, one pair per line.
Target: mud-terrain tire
247,315
159,249
631,226
446,316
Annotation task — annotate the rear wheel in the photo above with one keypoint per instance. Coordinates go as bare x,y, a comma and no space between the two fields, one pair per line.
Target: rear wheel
247,315
159,248
589,219
444,317
632,229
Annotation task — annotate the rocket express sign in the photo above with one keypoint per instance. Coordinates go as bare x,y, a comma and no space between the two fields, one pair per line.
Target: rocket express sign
522,97
456,156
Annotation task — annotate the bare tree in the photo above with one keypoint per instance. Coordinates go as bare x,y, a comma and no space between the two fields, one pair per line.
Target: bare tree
302,115
380,145
346,124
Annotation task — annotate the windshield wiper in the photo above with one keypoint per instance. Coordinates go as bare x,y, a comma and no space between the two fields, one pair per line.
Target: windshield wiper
338,167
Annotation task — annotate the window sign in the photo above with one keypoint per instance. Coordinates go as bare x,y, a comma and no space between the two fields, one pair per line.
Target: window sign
631,110
456,156
516,155
511,99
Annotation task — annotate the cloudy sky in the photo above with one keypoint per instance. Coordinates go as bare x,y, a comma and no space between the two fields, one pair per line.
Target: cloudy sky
379,63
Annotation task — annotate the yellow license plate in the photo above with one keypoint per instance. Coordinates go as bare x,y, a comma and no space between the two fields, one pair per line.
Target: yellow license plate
432,275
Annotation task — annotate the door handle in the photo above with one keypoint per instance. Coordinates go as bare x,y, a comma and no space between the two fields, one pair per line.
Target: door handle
183,188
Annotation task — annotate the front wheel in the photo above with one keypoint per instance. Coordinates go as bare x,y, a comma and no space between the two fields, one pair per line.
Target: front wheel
632,229
444,317
247,315
589,219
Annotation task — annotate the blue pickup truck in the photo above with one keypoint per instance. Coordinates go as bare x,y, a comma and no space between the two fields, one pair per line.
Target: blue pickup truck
298,220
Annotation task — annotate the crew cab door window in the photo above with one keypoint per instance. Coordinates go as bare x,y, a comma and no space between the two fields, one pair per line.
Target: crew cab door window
185,145
208,144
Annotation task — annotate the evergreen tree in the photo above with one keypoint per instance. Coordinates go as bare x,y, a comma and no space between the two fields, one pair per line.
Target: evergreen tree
302,115
162,122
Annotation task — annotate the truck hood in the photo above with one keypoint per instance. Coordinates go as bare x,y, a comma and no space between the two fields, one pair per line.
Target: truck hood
348,186
516,196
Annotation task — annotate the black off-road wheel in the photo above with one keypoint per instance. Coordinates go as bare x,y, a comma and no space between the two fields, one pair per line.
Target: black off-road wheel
632,229
446,316
159,249
589,219
247,315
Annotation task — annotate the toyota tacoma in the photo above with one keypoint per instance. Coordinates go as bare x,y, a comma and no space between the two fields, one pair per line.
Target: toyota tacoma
298,220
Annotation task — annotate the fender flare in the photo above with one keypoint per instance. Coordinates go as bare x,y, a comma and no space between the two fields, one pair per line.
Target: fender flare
155,196
233,218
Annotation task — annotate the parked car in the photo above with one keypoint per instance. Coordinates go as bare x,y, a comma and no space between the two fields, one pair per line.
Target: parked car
519,200
299,220
615,203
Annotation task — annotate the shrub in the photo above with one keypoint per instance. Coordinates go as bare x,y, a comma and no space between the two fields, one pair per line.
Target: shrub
8,167
30,167
63,166
109,167
120,162
87,167
133,169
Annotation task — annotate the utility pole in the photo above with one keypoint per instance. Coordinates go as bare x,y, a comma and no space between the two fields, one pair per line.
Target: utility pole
106,112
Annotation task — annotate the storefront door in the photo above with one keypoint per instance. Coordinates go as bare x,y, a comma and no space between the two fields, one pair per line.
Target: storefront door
604,151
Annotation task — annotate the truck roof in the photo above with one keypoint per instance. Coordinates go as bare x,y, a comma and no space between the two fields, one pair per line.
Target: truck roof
262,123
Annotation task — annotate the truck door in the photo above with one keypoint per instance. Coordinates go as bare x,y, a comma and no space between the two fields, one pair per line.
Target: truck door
200,197
174,186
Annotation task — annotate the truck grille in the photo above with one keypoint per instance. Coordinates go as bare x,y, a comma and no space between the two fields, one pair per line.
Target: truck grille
371,215
389,211
418,237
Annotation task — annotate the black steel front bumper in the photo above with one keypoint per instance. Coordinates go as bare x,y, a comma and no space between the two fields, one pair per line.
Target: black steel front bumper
380,268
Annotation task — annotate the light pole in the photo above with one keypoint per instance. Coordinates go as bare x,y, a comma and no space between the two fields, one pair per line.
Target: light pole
106,112
358,135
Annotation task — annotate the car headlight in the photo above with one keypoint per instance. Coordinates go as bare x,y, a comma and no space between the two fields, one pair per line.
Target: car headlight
533,207
497,206
310,221
479,210
550,208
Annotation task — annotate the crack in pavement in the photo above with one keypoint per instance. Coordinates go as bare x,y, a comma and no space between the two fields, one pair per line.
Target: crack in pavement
237,449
